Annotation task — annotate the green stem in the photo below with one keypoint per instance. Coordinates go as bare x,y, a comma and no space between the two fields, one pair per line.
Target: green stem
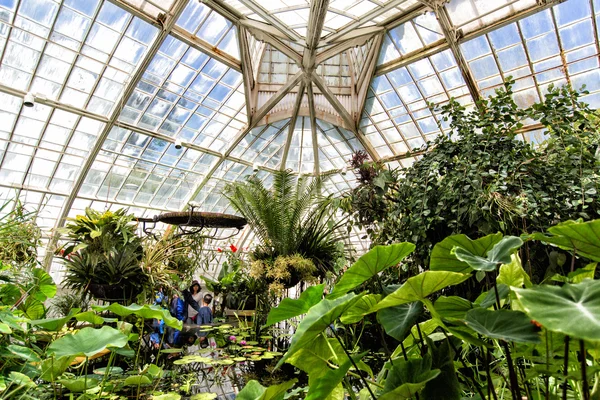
566,368
585,383
491,388
107,371
547,378
514,381
471,378
354,364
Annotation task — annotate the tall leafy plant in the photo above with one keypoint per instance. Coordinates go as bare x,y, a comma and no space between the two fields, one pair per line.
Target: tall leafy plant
293,218
482,178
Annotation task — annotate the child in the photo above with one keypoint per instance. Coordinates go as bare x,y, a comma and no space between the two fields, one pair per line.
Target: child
205,317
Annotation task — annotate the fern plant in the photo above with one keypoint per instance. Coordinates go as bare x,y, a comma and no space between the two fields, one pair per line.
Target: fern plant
292,218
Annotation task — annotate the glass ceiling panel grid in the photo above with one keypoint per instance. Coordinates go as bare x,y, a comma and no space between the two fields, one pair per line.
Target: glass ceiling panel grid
133,168
185,93
410,37
149,7
301,156
81,53
199,20
335,71
41,147
397,114
336,146
276,67
264,144
555,46
471,15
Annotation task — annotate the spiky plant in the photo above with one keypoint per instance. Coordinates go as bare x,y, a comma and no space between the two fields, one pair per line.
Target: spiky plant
291,218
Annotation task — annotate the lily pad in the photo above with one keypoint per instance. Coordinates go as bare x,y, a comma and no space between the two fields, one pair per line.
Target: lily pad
87,342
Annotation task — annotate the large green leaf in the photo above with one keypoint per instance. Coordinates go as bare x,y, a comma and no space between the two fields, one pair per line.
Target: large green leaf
145,311
322,387
408,377
397,321
419,287
91,317
255,391
22,352
43,285
137,380
54,324
571,309
87,342
445,386
53,367
313,359
498,255
583,237
290,308
318,318
370,264
513,274
358,311
78,385
452,307
442,258
508,325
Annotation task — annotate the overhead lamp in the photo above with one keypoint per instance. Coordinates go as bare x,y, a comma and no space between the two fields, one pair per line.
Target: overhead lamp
178,144
255,167
29,100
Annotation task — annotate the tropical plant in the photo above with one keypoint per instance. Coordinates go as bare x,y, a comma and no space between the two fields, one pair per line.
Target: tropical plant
517,339
292,219
19,234
103,255
481,179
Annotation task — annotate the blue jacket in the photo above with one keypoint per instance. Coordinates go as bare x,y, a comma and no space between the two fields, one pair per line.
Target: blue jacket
178,309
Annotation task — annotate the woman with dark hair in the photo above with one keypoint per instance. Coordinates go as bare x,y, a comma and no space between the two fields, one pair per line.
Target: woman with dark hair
192,299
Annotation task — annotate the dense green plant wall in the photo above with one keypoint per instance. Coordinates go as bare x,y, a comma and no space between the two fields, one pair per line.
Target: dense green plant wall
484,179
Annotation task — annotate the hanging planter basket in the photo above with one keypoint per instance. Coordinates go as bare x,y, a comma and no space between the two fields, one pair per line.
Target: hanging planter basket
202,219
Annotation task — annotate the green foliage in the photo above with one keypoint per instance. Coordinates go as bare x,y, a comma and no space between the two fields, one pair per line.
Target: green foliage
480,179
290,308
292,218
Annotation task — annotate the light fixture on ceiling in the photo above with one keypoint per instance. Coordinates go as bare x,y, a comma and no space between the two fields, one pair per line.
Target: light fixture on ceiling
29,100
178,144
344,171
255,167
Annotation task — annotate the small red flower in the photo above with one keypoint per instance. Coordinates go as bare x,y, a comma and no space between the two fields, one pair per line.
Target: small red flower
536,324
233,248
219,250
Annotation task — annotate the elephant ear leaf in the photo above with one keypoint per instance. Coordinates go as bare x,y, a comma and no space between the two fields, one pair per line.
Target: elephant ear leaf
322,387
290,308
581,237
407,378
397,321
255,391
578,304
508,325
499,254
318,318
378,259
442,258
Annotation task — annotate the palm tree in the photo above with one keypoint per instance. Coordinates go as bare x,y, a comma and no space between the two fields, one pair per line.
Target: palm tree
292,218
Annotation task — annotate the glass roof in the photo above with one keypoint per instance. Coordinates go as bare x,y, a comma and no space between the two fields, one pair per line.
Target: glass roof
118,82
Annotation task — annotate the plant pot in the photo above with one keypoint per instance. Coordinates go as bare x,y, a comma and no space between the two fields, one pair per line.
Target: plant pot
112,293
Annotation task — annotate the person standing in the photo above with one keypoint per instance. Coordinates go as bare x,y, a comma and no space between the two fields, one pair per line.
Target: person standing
192,299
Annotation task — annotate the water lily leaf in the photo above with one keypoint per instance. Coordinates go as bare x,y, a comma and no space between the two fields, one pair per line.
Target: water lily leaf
376,260
508,325
498,255
54,367
360,308
397,321
54,324
452,307
419,287
145,311
204,396
20,379
78,385
137,380
575,235
318,318
22,352
442,258
168,396
255,391
87,342
91,317
321,387
109,370
578,304
290,308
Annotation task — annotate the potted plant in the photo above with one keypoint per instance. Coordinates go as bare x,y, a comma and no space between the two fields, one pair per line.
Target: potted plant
103,255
